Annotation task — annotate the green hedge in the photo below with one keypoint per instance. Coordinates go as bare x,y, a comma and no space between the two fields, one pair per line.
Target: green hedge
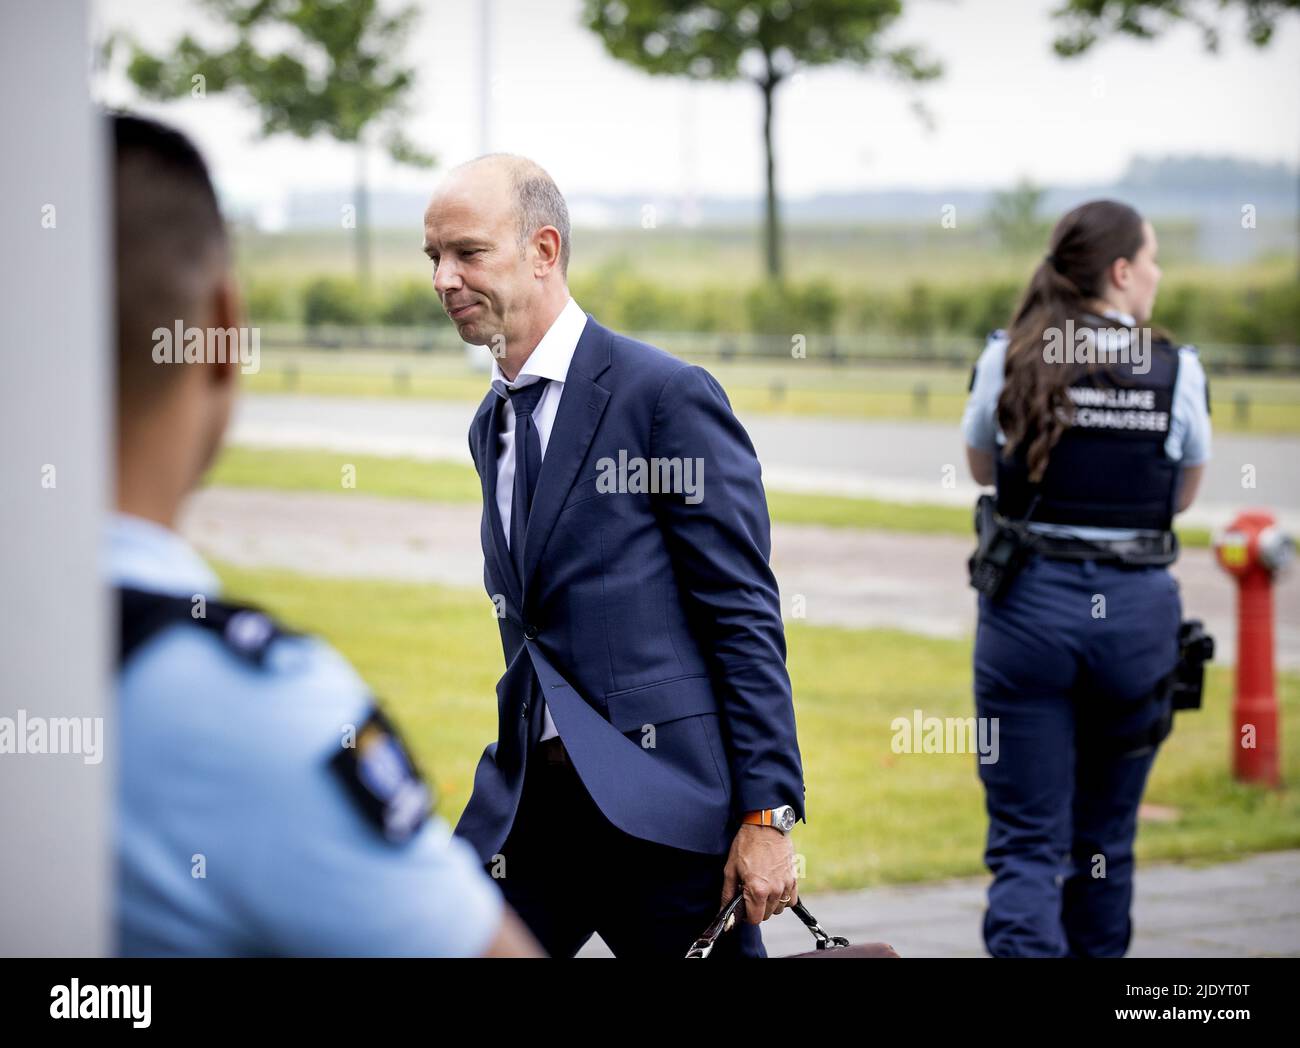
1264,315
332,301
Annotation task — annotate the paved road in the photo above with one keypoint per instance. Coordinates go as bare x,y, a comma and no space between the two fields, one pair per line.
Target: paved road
905,461
846,577
1249,908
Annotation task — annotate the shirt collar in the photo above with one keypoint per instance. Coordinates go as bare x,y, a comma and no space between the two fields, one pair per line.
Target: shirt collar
551,357
144,555
1120,315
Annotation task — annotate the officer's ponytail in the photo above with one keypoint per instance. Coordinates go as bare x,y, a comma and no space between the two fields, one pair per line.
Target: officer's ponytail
1034,409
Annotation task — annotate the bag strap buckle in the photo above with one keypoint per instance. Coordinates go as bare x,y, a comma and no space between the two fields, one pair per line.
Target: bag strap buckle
726,920
825,941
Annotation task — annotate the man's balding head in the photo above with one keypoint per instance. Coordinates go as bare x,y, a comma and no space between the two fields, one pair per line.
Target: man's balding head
537,201
497,232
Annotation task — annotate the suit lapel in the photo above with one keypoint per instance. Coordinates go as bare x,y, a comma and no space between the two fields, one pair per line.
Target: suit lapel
486,424
581,405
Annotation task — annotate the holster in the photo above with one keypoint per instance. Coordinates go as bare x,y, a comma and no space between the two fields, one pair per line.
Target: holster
1195,649
1179,689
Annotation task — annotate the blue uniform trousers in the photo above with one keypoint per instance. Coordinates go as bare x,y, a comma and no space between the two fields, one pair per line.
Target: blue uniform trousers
1066,662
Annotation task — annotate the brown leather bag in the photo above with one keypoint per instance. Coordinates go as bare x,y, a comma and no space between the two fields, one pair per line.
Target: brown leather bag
827,945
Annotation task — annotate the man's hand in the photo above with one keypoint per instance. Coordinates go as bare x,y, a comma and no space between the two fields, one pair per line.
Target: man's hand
762,862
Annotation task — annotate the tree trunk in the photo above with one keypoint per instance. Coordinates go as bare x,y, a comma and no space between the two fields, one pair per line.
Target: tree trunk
772,220
361,234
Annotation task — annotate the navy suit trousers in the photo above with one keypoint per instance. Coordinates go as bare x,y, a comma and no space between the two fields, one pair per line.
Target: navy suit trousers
569,873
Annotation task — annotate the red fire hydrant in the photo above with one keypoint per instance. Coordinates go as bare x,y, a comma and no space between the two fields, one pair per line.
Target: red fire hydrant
1253,550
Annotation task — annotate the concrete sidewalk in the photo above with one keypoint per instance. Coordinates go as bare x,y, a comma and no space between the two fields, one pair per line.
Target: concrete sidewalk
900,461
1249,908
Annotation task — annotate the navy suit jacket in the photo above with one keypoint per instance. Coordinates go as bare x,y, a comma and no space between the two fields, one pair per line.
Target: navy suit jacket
649,621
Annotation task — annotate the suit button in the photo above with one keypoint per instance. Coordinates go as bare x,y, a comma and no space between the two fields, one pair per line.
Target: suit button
525,711
530,633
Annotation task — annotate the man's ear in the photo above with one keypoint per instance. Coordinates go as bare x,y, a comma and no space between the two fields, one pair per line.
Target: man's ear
547,242
227,313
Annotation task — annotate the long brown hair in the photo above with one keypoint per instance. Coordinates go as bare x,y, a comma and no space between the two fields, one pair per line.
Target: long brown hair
1033,405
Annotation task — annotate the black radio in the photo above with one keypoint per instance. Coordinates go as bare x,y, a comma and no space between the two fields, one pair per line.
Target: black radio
1000,554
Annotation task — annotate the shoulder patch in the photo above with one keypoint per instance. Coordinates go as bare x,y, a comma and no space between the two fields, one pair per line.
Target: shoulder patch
246,631
381,776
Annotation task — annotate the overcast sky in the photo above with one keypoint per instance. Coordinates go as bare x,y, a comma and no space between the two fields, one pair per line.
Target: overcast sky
1006,106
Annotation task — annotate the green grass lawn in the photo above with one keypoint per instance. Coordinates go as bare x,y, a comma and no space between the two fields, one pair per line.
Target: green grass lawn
433,655
794,387
312,470
286,469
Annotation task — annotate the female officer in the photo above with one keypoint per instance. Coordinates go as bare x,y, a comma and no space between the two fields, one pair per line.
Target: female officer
1095,433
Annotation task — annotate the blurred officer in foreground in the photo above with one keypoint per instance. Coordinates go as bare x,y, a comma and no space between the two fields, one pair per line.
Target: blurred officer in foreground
266,806
1096,433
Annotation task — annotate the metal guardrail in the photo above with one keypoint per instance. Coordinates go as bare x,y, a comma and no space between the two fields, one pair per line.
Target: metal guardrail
834,349
859,354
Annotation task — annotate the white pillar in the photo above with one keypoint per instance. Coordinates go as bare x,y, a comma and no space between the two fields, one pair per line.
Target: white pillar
485,50
55,337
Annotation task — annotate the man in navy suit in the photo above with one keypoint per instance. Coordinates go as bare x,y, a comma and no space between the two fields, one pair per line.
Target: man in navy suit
646,765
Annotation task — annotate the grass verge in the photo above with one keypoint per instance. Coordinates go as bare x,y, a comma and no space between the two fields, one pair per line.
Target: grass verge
313,470
874,816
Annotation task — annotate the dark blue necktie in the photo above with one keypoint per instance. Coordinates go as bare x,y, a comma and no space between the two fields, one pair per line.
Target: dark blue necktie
528,464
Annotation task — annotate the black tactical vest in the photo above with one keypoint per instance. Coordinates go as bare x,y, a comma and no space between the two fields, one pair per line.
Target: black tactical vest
1109,468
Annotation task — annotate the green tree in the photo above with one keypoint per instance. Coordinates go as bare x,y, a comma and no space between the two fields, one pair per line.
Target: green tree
1014,216
1088,21
764,41
308,67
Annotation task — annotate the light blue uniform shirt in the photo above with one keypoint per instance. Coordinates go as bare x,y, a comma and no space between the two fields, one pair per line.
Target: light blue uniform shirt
225,771
1187,443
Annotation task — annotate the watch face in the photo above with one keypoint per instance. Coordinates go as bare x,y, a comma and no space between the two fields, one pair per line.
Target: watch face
783,818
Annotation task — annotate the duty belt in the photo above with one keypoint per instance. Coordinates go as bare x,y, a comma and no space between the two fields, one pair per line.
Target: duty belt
1155,549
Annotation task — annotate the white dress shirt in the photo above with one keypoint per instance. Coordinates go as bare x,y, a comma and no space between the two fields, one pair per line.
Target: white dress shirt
550,359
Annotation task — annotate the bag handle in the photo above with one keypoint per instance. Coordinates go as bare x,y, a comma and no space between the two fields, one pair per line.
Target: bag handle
726,920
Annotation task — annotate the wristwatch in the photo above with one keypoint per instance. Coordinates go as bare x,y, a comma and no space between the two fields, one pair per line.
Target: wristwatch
782,818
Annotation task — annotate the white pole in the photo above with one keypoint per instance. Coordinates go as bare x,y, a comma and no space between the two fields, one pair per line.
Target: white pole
56,816
485,77
690,207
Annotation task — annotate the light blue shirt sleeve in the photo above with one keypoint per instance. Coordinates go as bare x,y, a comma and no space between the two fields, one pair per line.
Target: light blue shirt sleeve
1189,424
979,422
226,771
